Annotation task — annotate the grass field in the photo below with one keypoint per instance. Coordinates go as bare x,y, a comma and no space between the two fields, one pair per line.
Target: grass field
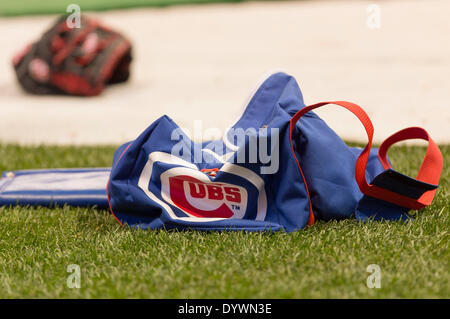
327,260
28,7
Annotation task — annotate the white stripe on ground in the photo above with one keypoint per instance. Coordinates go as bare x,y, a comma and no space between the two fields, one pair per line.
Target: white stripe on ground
200,62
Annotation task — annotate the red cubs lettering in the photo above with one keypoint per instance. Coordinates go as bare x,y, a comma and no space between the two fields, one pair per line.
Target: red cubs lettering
203,191
233,194
200,193
215,192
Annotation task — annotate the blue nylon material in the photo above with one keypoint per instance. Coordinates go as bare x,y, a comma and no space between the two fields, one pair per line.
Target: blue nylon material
327,162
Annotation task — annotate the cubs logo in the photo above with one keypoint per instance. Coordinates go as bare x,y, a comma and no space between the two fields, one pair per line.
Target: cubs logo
190,190
203,198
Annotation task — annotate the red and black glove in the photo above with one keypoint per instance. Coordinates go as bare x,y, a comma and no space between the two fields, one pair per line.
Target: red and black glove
74,61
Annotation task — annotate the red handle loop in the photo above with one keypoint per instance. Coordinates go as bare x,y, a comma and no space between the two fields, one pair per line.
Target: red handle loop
431,168
429,172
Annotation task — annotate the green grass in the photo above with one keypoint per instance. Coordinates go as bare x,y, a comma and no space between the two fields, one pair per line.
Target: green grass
327,260
28,7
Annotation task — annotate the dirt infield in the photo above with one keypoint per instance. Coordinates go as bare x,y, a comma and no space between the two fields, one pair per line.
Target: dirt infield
201,62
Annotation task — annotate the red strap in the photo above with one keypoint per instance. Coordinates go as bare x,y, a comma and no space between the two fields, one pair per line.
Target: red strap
430,170
362,116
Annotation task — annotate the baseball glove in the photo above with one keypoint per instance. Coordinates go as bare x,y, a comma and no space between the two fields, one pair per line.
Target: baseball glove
74,61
